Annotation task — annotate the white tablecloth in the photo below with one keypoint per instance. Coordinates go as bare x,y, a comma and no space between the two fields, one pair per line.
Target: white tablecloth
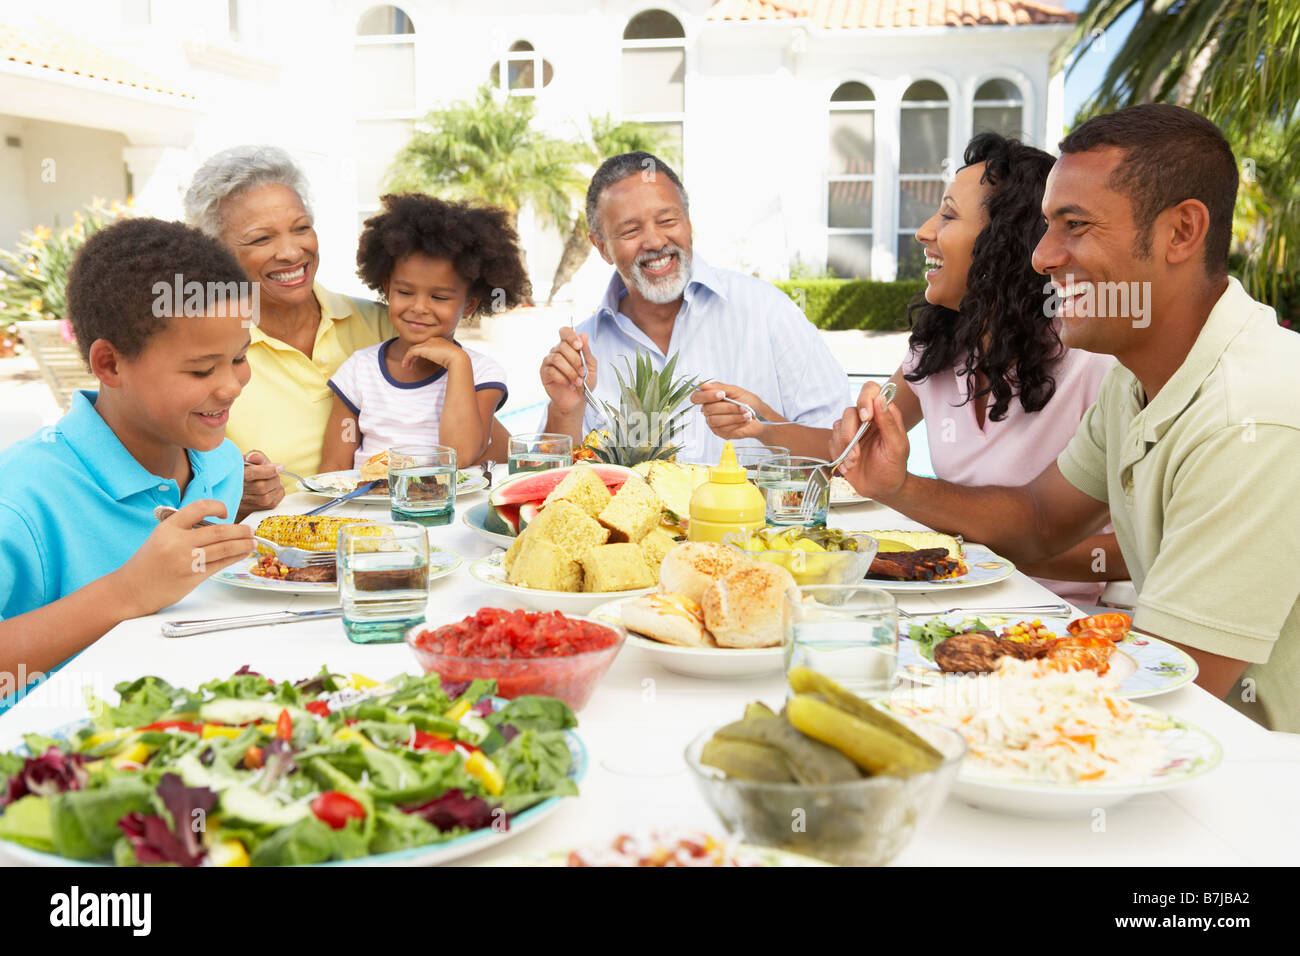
641,718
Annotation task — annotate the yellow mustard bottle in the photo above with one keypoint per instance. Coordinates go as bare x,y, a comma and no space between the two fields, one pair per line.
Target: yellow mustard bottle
727,502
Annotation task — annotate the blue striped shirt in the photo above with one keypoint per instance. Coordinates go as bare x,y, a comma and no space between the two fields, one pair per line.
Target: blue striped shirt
731,328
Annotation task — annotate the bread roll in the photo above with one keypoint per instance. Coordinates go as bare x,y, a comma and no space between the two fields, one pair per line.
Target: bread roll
667,618
692,568
747,607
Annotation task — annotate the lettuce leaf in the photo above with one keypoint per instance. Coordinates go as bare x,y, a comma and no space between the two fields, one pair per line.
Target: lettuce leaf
83,823
534,713
535,766
27,821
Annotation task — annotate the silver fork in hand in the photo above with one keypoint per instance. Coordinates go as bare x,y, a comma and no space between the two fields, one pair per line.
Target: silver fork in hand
289,557
808,506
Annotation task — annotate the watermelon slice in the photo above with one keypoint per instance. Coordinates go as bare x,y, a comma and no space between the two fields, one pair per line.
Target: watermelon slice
509,498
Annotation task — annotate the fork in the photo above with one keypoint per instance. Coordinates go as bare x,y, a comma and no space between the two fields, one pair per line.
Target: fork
586,392
1040,610
289,557
755,415
808,504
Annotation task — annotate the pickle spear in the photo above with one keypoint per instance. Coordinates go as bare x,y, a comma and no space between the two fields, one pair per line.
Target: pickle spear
870,747
809,761
756,709
805,681
745,761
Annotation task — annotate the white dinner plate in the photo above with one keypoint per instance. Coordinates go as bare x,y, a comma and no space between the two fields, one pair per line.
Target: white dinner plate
983,567
441,563
1189,752
335,484
1145,665
14,854
711,663
489,571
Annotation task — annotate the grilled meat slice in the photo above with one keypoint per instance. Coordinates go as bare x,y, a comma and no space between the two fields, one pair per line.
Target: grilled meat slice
315,573
978,652
923,565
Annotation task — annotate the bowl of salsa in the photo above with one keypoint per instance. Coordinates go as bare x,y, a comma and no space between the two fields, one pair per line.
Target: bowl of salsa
525,652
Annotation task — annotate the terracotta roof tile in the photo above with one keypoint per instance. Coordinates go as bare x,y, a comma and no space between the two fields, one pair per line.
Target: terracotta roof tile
880,14
44,45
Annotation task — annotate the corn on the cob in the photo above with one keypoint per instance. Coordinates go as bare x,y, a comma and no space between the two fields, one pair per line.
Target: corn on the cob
307,532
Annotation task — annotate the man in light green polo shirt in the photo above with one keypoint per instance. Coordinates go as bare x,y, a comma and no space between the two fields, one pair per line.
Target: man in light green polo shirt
1193,441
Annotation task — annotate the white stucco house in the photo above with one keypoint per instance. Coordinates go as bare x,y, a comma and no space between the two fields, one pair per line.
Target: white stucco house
813,133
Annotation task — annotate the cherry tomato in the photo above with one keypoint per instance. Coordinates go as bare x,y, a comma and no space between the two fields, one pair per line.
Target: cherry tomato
335,809
284,725
319,708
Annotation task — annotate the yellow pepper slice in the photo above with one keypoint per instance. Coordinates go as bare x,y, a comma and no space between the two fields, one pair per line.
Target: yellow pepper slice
229,853
137,753
351,734
218,730
361,682
458,709
485,772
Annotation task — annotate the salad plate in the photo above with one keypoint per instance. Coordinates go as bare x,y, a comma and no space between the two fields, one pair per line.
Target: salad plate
474,518
711,663
332,484
983,567
441,563
474,841
1145,665
1186,752
488,571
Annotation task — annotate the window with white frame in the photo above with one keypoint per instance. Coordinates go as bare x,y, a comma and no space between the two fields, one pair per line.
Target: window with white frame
999,107
922,151
384,81
522,71
654,74
850,181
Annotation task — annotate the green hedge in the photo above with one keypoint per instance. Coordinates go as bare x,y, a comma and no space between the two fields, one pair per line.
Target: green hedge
853,303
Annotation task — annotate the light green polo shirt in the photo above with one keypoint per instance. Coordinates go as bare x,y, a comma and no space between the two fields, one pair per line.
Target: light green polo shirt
1202,494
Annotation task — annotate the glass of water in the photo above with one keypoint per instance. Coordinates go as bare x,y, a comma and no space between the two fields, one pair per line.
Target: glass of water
539,452
847,632
422,484
750,457
783,481
383,572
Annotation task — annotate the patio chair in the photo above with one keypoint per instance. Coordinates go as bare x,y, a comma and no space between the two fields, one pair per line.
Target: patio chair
60,362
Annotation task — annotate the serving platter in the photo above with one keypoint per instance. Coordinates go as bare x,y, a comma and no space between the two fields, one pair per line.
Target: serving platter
442,562
488,571
335,484
1145,665
14,854
711,663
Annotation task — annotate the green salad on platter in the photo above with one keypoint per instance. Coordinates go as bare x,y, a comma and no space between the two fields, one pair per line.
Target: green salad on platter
248,771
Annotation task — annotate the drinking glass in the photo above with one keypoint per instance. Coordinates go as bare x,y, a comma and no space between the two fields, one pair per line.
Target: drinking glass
783,481
847,632
383,572
750,457
422,484
539,452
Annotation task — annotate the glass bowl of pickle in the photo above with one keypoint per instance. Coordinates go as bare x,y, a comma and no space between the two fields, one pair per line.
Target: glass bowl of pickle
811,555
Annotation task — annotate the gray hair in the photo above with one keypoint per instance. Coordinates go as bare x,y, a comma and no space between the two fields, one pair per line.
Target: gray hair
618,168
233,171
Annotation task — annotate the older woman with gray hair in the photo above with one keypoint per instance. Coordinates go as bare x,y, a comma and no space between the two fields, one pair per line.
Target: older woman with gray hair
253,199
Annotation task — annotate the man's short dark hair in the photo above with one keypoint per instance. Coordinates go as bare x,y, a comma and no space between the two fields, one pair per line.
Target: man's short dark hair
1172,154
111,292
618,168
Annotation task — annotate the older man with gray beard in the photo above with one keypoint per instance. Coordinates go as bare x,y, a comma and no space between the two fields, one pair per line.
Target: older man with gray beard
723,326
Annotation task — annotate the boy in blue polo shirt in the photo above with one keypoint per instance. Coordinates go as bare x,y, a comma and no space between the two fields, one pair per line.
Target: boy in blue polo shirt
80,549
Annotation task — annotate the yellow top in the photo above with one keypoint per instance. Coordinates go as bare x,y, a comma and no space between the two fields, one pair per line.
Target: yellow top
727,471
284,408
726,502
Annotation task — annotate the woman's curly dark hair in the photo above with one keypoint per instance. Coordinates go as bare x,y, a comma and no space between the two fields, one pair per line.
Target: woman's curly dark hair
479,241
1004,300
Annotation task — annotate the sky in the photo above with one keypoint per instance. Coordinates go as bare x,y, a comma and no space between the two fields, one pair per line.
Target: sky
1082,81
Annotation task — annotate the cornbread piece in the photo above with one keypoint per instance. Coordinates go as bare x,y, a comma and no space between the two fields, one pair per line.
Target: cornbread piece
615,567
568,527
632,513
692,568
542,565
747,607
655,546
512,552
584,488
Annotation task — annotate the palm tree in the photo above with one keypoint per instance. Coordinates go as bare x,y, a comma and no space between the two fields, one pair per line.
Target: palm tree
608,138
1238,63
486,150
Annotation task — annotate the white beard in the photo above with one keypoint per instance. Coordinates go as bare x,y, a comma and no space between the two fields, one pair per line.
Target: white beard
667,289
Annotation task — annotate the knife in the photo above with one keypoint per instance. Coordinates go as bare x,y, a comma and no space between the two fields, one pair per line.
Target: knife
186,628
361,490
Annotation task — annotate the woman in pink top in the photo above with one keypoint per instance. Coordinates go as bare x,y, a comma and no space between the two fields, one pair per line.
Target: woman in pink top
1000,395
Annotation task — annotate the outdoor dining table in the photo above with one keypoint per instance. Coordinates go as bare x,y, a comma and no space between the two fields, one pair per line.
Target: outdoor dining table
641,718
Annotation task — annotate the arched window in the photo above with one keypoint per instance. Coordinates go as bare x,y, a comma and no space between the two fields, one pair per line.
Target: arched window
383,63
999,107
518,72
851,180
923,150
654,73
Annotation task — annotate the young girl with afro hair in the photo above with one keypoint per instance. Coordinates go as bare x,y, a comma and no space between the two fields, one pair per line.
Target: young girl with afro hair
435,262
